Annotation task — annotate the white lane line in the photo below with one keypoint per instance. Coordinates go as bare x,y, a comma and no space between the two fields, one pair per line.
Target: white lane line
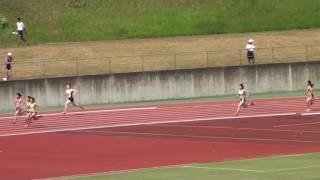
261,115
291,169
252,170
90,112
166,167
310,114
243,128
88,175
263,105
224,169
141,123
273,157
93,121
298,124
200,136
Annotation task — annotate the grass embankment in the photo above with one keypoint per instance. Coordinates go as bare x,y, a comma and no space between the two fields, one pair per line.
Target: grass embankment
87,20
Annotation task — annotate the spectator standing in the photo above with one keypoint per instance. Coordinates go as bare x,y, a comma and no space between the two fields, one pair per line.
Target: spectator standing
250,51
9,61
21,30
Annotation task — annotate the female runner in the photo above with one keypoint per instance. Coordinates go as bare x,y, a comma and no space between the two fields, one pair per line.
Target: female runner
18,105
70,93
28,104
310,96
32,113
243,95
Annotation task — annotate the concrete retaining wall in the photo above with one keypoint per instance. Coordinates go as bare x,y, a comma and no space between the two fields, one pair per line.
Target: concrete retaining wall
165,84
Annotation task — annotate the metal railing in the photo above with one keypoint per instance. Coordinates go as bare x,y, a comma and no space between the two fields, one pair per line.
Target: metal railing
159,62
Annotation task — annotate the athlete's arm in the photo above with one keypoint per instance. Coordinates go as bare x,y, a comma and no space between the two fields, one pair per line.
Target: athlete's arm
74,91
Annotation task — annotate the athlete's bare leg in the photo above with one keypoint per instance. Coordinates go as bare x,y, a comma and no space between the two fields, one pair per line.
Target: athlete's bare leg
18,113
73,104
309,103
28,119
66,106
77,105
241,104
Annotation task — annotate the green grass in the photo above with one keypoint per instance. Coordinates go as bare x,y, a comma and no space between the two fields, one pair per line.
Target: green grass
84,20
297,167
280,94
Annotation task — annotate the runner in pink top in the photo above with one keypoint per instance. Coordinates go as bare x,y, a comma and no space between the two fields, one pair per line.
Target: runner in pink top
18,105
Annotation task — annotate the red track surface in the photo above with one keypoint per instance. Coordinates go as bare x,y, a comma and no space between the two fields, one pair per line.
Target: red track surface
107,140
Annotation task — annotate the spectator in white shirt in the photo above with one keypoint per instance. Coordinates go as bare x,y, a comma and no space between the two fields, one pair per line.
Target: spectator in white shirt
21,30
250,51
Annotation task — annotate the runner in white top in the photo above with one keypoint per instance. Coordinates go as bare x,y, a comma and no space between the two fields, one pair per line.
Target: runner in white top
20,25
21,30
243,101
70,93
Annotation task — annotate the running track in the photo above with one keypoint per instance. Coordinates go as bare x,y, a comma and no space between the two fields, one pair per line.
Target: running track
140,137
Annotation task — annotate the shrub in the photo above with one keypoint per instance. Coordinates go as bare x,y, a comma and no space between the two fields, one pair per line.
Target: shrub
3,21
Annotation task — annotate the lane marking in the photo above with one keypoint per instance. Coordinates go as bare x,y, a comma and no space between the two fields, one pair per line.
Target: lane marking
133,109
298,124
257,116
291,169
110,172
141,123
252,170
166,167
310,114
224,169
90,112
274,157
200,136
261,105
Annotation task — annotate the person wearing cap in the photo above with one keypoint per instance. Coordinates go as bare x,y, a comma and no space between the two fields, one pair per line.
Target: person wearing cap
250,51
9,61
21,30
